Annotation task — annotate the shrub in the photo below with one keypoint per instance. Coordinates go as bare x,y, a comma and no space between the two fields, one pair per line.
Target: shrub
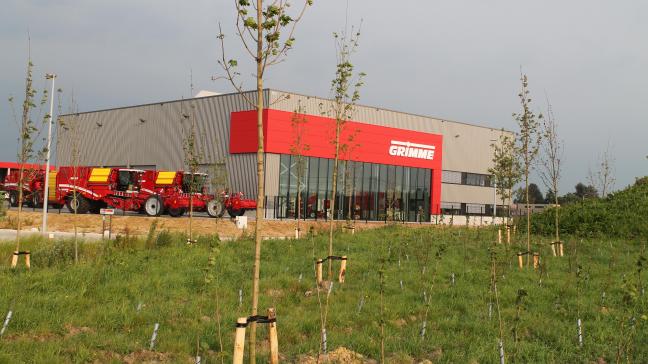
621,214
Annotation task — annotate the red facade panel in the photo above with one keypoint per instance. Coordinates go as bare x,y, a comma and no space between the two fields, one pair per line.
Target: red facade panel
364,142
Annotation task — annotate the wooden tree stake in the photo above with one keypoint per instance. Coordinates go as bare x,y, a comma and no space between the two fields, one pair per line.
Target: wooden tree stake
16,254
536,260
520,263
318,271
553,248
508,235
499,235
274,341
561,248
239,341
343,264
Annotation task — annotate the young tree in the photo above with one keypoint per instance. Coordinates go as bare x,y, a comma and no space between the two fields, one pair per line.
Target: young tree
603,177
193,159
27,135
505,169
551,161
266,33
528,145
345,88
297,149
68,131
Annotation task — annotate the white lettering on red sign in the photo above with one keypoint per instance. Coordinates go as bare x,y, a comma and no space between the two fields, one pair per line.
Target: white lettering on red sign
411,150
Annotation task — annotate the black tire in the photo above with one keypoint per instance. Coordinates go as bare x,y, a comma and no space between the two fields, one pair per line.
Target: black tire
28,200
35,198
235,213
215,208
96,206
13,198
153,206
80,204
176,212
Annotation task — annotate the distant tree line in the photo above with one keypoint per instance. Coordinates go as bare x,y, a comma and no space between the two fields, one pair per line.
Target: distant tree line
581,192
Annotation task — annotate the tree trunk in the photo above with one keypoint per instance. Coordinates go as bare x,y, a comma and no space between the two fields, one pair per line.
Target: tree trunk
298,203
20,202
334,193
528,208
260,181
556,212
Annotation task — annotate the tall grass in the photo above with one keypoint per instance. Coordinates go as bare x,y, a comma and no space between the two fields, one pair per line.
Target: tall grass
89,311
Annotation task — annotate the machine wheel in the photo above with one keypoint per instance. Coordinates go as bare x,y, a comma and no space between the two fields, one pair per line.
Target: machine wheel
176,212
36,199
13,198
215,208
153,206
96,206
28,200
78,204
235,213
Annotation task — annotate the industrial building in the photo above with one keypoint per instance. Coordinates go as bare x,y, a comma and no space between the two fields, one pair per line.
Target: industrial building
395,165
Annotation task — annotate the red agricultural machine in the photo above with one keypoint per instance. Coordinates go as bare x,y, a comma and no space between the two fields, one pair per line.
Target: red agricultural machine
235,204
169,191
89,189
32,181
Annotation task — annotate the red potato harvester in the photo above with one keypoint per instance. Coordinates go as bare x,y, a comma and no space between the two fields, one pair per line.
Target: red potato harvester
168,191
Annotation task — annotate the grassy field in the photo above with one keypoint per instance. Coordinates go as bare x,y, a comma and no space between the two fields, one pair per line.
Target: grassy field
104,308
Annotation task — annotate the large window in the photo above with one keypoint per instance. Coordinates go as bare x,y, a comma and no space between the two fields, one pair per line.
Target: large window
466,178
365,191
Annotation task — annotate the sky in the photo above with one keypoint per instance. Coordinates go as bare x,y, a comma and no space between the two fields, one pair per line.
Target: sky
458,60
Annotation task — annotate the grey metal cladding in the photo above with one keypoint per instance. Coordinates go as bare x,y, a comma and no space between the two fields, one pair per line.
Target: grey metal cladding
153,134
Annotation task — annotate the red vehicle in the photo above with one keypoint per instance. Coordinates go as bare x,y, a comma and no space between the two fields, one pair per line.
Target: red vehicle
169,191
32,180
89,189
236,205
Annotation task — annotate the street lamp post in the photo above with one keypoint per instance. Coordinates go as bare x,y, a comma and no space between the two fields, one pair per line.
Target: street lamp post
49,76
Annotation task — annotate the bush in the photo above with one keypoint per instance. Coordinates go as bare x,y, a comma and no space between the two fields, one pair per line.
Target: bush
621,214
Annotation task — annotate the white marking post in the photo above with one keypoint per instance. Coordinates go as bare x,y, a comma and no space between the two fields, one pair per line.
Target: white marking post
6,322
154,336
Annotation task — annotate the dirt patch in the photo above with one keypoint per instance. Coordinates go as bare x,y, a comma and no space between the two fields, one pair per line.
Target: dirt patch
146,356
139,225
74,331
340,355
39,337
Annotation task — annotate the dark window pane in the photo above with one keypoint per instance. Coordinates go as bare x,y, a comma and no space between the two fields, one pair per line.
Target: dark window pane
311,200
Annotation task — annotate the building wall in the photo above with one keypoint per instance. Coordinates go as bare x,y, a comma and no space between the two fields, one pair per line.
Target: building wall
153,134
466,148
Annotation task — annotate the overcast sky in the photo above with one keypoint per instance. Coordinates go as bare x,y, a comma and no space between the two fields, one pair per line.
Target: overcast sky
458,60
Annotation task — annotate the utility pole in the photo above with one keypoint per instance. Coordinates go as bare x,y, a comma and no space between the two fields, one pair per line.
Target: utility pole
49,76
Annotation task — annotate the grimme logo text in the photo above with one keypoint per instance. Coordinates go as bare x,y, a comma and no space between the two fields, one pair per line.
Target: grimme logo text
411,150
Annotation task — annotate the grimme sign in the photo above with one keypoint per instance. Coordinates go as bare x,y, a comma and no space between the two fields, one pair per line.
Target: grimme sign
411,150
363,142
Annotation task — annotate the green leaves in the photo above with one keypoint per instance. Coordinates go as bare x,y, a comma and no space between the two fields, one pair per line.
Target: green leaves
250,22
232,63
